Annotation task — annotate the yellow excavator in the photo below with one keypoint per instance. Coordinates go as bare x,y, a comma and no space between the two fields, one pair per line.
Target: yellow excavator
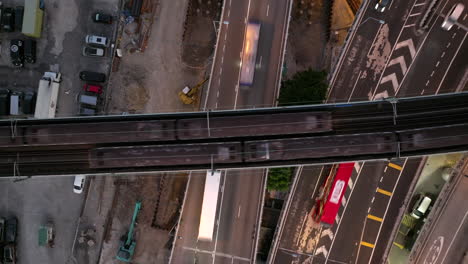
189,95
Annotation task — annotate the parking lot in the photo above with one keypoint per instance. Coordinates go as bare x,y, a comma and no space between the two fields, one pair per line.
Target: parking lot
60,49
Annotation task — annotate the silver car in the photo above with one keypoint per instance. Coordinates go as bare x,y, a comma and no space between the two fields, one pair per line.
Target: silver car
96,40
93,52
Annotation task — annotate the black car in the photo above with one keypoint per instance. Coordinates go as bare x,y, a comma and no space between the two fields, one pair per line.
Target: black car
90,76
4,102
30,50
19,12
8,20
99,17
28,103
2,229
17,52
381,5
10,230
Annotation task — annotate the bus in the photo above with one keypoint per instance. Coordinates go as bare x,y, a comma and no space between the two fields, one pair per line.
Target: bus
47,95
209,205
331,193
249,55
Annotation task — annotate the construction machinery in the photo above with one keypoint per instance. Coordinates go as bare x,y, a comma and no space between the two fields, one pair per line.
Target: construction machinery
190,95
127,243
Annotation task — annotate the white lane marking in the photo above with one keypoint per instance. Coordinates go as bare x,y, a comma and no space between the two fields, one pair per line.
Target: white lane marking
448,45
453,238
407,43
260,62
432,73
437,64
407,26
391,77
222,60
373,198
217,94
322,250
368,210
400,60
344,211
354,87
420,4
453,58
327,232
238,212
422,91
385,170
416,14
216,254
268,9
381,179
454,34
427,83
464,17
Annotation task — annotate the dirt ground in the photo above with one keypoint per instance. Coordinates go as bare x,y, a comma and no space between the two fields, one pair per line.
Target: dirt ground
309,45
199,31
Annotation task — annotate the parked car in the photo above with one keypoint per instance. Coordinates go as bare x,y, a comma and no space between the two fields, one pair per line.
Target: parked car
29,103
92,88
421,206
93,52
2,229
78,184
96,40
9,254
19,12
16,99
8,20
30,51
4,102
17,52
452,16
99,17
92,76
86,111
10,230
381,5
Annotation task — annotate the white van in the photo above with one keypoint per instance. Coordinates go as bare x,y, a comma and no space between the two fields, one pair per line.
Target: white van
15,101
421,206
78,184
452,16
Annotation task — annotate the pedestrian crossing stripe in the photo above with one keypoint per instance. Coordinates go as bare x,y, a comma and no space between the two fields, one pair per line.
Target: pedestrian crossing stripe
373,217
384,192
398,245
393,165
367,244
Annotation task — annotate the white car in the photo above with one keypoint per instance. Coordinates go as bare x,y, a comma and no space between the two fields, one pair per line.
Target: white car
93,52
96,40
452,16
78,184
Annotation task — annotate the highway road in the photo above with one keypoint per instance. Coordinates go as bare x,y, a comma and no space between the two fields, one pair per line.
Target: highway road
443,239
386,56
242,198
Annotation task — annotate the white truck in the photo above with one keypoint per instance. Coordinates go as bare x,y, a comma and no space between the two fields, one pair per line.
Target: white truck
209,206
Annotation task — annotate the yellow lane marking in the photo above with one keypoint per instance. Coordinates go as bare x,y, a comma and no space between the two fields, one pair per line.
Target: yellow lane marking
384,192
367,244
398,245
392,165
373,217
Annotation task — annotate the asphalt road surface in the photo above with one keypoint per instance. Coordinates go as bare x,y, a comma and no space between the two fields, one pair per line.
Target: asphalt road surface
444,241
386,56
240,203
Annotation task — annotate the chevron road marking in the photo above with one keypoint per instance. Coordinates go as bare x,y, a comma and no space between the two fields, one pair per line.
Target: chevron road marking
407,43
400,60
350,184
391,77
327,232
357,166
322,250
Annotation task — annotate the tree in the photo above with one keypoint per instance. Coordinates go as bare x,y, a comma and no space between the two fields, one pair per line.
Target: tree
306,87
279,179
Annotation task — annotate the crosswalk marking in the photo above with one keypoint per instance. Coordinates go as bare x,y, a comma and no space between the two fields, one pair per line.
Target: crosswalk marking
382,191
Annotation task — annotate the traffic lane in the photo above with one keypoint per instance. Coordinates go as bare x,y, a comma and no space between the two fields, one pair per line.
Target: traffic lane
274,18
239,212
348,234
190,219
456,78
450,225
376,40
384,239
224,79
429,66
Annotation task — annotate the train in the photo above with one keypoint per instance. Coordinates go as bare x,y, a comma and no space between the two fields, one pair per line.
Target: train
165,130
284,151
